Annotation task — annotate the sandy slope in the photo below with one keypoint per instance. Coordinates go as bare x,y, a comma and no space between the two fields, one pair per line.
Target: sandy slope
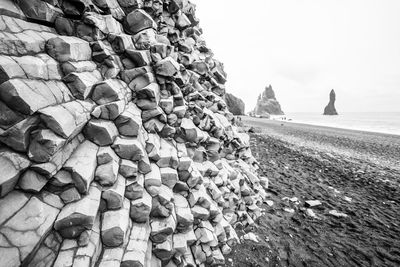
352,172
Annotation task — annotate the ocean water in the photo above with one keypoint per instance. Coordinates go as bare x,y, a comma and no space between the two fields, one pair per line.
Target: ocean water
383,122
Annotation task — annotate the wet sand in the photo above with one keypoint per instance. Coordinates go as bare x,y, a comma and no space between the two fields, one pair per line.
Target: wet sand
355,173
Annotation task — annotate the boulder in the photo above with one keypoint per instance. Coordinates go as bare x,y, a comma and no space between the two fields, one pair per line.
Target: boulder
13,164
78,7
82,165
106,155
108,91
109,111
114,196
8,117
34,220
114,225
28,96
135,252
78,216
113,256
107,174
167,67
128,168
57,161
162,228
169,176
32,181
17,136
184,215
90,250
164,251
70,195
152,180
137,21
67,48
39,10
129,148
41,66
81,83
22,38
11,204
106,24
121,42
135,188
101,132
168,155
77,66
130,121
141,208
148,96
10,8
47,251
68,119
139,57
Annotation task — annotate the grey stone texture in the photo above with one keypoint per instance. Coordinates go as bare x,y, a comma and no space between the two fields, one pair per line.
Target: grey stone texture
116,145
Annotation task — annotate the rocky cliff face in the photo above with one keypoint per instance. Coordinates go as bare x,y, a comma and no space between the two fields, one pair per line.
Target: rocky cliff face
267,103
330,108
234,104
117,148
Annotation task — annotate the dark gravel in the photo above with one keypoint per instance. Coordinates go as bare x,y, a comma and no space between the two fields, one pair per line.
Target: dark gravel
355,173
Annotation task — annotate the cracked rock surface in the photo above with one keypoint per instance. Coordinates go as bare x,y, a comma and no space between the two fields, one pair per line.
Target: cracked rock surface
116,145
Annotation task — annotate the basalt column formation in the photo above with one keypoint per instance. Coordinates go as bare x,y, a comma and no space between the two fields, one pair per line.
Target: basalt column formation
117,148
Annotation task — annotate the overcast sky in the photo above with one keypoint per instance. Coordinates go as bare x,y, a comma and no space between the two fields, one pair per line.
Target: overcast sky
305,48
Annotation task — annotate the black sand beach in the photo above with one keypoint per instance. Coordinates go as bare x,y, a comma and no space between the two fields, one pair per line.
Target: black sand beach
354,173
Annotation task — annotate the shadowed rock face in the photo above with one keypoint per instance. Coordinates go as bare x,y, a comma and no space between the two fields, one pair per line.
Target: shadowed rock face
267,103
116,145
330,108
235,104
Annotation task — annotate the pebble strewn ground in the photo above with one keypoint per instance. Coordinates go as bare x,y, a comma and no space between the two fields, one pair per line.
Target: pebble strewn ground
329,165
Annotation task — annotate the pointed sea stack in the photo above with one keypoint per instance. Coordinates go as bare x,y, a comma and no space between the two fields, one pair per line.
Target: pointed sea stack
267,103
330,108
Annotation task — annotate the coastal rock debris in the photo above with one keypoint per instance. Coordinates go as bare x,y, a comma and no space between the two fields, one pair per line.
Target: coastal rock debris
117,147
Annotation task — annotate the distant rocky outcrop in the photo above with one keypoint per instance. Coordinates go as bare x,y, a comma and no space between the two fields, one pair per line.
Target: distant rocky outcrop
234,104
330,108
267,103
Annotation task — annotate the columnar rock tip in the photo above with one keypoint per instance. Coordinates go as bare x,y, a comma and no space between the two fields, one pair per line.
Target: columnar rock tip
117,147
267,104
330,108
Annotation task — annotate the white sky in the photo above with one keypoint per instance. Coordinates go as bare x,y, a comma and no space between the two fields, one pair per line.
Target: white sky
304,48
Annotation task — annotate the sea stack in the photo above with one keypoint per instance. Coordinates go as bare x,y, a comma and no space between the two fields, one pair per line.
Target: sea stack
330,108
267,103
234,104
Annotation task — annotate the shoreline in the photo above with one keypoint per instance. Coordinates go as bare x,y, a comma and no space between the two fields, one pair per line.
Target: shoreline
341,128
321,126
374,149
